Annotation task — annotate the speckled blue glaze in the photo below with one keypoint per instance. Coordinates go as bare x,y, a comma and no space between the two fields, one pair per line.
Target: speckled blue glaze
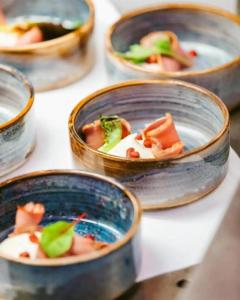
213,33
111,214
17,127
65,59
202,122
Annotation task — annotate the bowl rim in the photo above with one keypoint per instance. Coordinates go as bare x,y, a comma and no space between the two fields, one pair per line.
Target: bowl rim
64,261
28,86
86,28
179,74
172,82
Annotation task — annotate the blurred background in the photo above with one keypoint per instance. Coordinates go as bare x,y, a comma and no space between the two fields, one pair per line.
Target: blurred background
125,5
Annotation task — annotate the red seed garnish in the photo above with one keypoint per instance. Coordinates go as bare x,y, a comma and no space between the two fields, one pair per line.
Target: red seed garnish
147,143
193,53
131,153
90,237
33,238
138,137
152,59
24,254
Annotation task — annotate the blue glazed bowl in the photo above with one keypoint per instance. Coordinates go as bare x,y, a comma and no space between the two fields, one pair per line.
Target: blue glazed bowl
212,32
202,121
113,215
17,128
64,59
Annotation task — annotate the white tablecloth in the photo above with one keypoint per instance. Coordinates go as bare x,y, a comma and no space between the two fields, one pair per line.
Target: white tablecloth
170,239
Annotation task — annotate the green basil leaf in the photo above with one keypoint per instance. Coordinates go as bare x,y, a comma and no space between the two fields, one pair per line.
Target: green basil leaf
57,238
137,53
163,47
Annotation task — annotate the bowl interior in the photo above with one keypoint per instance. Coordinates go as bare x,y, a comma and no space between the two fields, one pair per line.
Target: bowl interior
110,212
14,95
215,37
45,10
197,116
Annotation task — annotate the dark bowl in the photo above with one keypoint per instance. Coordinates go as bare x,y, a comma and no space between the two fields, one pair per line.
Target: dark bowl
202,121
64,59
212,32
113,216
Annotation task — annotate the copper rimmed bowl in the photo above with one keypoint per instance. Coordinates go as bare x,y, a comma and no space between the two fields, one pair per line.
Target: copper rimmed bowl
212,32
113,216
58,62
17,126
202,121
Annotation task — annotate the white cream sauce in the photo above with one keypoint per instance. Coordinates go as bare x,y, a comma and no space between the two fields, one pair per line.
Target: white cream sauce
130,142
14,246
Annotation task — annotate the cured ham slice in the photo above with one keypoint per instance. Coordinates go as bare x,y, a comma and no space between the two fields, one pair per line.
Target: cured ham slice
168,153
28,217
163,135
94,133
34,35
13,37
168,63
83,245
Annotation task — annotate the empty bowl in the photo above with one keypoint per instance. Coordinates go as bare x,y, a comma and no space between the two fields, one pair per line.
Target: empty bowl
113,216
213,33
201,119
17,128
64,59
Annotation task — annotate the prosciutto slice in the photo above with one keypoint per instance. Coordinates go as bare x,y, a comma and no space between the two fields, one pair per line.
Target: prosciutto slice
164,138
94,133
167,63
13,37
34,35
28,217
83,245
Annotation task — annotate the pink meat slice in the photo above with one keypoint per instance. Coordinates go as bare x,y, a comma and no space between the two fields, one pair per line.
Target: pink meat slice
94,134
34,35
163,135
167,63
28,217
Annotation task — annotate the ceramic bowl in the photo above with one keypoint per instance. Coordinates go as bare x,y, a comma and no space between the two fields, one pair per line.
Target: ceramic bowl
113,216
202,121
17,128
64,59
212,32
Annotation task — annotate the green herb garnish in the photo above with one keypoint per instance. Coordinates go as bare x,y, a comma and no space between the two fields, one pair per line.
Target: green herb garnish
71,25
137,53
113,132
57,238
163,47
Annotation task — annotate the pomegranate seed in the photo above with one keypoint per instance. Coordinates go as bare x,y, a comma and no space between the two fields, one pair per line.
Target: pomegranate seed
33,238
193,53
24,254
135,154
131,153
90,237
147,143
152,59
138,137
